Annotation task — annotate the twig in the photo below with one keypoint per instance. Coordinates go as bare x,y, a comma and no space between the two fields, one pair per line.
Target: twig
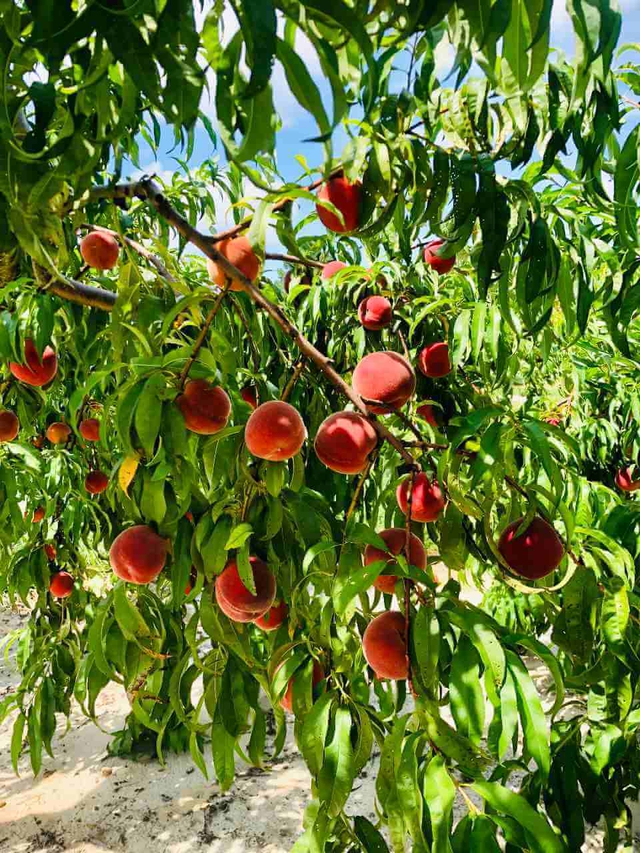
405,420
360,485
137,247
203,333
292,381
292,259
511,482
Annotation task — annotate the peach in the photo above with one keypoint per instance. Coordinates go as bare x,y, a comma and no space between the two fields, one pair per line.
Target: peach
273,618
395,540
205,407
138,554
35,372
344,441
89,429
239,252
189,516
532,553
50,551
384,646
625,481
330,269
374,313
316,677
38,442
9,426
96,482
384,377
100,250
58,432
305,279
236,601
250,395
275,431
61,585
38,515
433,360
553,421
427,412
427,500
432,257
346,198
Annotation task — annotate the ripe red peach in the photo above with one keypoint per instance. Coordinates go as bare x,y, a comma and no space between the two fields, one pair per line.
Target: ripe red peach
434,361
61,585
316,677
427,412
89,429
432,257
344,441
193,579
38,515
34,371
346,198
250,395
275,431
375,313
427,500
38,442
9,426
100,250
239,252
58,432
96,482
50,551
533,553
330,269
384,646
138,554
273,618
395,540
205,407
385,377
625,481
236,601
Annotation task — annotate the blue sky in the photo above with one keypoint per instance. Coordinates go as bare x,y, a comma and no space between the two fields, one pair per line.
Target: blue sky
298,125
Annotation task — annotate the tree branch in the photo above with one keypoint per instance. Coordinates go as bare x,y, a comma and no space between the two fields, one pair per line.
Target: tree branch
203,333
292,259
75,291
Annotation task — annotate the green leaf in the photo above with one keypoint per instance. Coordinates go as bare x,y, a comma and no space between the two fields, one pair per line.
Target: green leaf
238,536
425,648
368,836
148,412
314,733
259,25
615,616
16,740
534,724
336,774
541,837
439,794
465,691
128,617
626,180
302,85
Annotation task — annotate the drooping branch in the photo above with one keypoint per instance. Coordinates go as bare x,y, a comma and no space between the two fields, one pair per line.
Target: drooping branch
203,334
149,190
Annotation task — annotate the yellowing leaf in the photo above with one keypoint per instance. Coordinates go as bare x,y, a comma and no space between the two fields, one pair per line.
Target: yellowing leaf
127,472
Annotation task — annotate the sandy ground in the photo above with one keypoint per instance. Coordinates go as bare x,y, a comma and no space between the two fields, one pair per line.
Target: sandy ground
85,801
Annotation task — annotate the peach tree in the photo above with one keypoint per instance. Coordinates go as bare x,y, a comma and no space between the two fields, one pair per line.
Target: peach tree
250,486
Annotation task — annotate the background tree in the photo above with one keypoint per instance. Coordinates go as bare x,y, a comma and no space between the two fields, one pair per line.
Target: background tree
480,331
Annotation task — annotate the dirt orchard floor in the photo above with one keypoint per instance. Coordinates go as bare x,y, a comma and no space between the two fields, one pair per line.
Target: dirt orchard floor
85,801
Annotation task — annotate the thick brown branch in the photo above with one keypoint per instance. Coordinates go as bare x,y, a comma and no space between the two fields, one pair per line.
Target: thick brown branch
75,291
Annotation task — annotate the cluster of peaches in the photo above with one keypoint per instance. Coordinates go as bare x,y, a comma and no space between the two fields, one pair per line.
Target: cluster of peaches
276,432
